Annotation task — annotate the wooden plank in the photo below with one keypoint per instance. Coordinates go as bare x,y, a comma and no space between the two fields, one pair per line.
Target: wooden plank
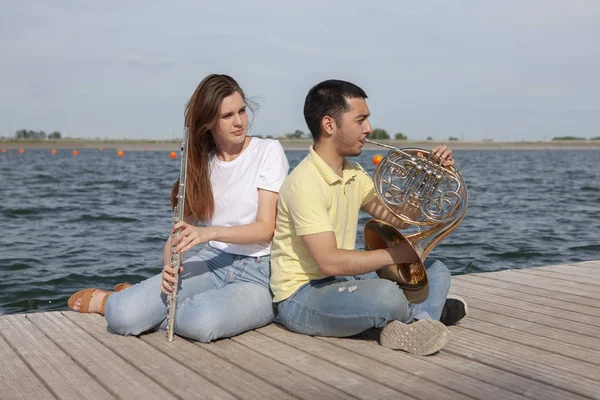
575,270
554,370
481,381
271,371
17,381
567,367
501,377
533,340
235,380
484,290
592,264
65,378
531,333
545,283
560,335
546,320
417,386
563,278
331,374
587,264
176,377
488,280
558,314
102,363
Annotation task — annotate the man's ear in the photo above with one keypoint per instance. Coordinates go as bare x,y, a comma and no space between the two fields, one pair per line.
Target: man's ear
328,125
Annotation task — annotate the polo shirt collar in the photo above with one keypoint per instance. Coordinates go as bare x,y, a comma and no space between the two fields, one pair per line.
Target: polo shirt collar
325,170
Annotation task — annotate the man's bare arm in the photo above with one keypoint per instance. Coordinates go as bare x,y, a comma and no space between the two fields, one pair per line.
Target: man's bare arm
376,208
338,262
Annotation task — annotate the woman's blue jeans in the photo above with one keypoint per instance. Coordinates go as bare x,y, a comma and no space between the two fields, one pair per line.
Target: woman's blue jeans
220,295
346,306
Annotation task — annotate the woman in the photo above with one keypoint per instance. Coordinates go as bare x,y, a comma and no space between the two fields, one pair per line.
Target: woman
232,186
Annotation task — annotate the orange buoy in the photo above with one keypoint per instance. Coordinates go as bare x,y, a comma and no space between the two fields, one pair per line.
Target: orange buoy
75,153
21,151
53,151
377,159
101,148
120,153
173,154
4,150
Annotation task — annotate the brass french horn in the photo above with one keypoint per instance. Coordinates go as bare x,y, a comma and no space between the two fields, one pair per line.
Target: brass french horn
430,201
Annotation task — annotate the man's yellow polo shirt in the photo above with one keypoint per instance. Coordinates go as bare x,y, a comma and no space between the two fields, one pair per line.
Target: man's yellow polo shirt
314,199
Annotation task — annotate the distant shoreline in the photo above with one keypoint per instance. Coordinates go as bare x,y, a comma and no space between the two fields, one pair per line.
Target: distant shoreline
301,144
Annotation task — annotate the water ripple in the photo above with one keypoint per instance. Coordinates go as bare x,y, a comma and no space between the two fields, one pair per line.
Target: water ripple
95,220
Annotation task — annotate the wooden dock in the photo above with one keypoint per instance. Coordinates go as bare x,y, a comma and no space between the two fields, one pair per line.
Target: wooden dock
530,334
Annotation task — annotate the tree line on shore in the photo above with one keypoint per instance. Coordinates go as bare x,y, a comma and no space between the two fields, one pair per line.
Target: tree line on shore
377,134
36,135
381,134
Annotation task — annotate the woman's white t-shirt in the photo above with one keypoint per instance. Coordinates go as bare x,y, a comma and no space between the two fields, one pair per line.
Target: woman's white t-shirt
235,184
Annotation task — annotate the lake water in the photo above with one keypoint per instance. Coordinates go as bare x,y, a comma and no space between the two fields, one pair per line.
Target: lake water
93,220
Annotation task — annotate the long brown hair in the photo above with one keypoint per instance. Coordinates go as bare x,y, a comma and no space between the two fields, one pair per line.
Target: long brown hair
201,115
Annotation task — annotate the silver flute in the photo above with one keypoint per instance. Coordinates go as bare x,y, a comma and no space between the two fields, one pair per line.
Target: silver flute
176,258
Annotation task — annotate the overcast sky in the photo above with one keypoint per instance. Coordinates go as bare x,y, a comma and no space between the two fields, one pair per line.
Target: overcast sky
473,69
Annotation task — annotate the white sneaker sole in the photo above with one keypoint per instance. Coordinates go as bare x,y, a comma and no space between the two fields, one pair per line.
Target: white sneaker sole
422,337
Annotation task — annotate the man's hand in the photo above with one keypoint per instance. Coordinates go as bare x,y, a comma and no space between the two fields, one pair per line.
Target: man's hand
403,253
441,153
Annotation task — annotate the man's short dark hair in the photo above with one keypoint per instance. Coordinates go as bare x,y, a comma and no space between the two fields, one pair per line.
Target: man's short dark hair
329,98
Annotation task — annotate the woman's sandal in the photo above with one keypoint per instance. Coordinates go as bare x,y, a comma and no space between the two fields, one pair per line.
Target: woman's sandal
122,286
86,297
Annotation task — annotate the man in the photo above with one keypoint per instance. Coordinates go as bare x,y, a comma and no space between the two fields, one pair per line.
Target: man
321,285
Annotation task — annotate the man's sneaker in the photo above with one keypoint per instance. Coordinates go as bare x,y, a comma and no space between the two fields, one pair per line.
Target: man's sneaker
454,310
422,337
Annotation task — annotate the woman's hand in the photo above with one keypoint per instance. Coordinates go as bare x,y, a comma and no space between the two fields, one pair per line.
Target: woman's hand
442,153
190,235
168,279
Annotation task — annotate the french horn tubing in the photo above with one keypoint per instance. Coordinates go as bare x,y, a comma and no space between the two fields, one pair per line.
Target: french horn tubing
429,199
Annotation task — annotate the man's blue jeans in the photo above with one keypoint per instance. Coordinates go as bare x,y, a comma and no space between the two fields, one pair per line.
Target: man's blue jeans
220,295
346,306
